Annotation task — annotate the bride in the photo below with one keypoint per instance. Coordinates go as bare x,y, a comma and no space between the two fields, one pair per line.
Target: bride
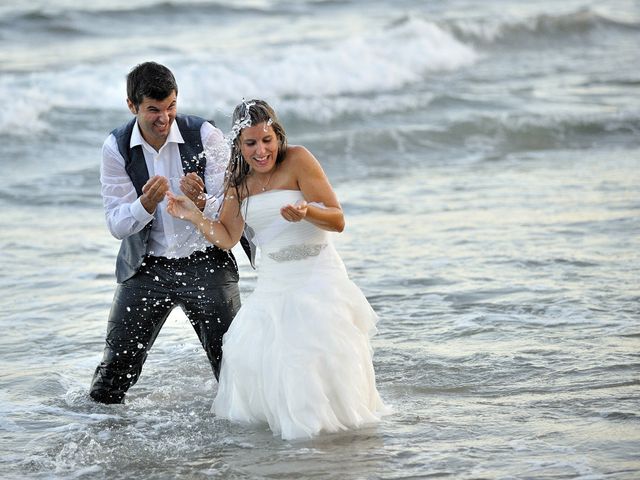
297,354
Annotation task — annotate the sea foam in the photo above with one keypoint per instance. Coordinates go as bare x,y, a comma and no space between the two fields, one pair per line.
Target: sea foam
373,64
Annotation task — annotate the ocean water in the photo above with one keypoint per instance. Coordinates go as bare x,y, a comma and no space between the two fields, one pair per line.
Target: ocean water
487,156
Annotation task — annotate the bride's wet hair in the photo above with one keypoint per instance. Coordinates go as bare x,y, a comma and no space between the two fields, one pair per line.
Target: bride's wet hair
248,114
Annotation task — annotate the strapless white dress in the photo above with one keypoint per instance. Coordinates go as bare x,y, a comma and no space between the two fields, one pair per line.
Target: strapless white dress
297,355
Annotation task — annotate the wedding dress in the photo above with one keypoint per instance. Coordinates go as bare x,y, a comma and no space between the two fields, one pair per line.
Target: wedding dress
297,355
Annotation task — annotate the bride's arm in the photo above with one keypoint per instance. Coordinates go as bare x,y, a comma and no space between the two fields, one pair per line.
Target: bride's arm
224,232
315,187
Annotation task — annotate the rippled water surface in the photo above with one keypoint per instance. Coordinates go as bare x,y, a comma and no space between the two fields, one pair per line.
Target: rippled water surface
487,159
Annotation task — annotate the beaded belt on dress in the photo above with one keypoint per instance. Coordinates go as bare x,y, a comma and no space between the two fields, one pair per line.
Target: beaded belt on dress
297,252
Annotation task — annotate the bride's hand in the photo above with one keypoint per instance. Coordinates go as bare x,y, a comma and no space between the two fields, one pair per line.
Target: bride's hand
294,213
180,206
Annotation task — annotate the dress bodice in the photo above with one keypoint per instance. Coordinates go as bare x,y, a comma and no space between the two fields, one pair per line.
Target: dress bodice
286,248
277,238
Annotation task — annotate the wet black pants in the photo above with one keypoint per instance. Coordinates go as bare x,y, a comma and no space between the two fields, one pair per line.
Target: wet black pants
205,284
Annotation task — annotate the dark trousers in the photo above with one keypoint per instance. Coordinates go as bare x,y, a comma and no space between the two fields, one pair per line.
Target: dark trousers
205,284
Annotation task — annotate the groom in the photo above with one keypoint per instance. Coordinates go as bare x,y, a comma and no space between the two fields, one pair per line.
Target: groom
163,262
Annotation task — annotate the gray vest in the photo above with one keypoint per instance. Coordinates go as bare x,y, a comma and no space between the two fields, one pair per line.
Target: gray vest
134,247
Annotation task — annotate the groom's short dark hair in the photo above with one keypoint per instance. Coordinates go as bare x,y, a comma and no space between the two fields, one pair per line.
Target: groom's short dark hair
150,79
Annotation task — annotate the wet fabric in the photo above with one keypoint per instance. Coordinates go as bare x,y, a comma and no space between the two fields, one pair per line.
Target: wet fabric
204,284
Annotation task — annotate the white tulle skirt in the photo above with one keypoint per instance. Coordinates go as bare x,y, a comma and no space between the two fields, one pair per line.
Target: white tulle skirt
298,357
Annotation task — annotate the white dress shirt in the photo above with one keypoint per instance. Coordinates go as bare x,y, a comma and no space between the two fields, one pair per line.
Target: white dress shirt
170,237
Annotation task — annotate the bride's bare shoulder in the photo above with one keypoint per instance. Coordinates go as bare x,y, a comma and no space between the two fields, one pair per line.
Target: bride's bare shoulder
300,156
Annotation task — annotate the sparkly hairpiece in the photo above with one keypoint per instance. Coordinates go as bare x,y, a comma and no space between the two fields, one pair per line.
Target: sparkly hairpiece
243,122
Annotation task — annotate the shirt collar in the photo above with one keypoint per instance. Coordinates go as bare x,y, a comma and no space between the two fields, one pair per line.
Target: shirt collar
136,136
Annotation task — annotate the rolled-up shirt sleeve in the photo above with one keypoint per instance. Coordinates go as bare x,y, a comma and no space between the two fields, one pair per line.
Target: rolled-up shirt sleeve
217,152
123,211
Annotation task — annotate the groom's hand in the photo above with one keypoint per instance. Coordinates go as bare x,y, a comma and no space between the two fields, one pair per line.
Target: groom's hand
193,187
153,192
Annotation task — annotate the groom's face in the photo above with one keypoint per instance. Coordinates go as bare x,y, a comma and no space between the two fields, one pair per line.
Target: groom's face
155,118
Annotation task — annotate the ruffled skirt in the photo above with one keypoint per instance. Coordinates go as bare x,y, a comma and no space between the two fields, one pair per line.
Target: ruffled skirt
298,357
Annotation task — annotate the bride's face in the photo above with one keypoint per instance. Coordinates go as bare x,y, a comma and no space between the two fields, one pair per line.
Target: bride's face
259,147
